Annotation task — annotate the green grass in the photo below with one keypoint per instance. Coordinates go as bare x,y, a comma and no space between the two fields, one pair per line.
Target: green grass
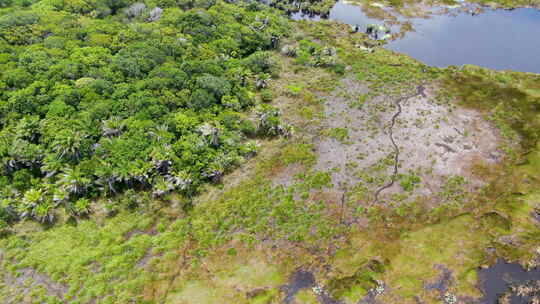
249,277
294,90
306,296
409,181
298,153
357,104
505,96
93,260
453,243
100,261
340,134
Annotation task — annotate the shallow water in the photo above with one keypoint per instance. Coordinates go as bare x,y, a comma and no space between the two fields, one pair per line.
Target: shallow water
495,280
301,279
496,39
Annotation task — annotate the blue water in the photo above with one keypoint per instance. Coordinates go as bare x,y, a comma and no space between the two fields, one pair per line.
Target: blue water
496,39
500,40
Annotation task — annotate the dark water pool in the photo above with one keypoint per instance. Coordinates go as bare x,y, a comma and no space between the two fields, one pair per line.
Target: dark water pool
496,39
495,281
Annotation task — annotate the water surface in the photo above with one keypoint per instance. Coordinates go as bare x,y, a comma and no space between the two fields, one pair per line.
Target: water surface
495,281
496,39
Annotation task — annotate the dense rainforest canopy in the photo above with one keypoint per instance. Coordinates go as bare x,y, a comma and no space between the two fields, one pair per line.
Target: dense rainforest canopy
99,97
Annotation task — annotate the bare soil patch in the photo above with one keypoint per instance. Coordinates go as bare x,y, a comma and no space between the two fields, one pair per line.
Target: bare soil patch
436,141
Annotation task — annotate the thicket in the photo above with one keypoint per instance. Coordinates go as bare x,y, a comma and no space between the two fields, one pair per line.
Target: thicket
101,96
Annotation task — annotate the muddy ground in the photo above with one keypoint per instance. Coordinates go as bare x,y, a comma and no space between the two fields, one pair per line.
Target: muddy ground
435,141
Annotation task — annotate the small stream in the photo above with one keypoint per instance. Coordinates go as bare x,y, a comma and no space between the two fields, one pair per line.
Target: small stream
496,39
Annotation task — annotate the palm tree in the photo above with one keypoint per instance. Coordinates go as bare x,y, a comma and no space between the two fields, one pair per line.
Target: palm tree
60,195
44,212
289,50
211,133
270,122
139,170
69,144
35,205
28,129
180,180
7,212
22,153
74,181
262,80
107,178
162,186
161,134
161,157
112,127
51,165
78,208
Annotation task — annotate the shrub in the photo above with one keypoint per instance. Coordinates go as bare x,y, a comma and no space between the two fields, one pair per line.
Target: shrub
267,96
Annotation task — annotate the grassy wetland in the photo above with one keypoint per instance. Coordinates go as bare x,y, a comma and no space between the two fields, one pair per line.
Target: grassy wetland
218,152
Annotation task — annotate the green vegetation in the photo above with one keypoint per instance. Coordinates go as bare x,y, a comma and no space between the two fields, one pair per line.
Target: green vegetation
101,97
359,102
89,259
120,121
340,134
105,262
409,181
299,153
